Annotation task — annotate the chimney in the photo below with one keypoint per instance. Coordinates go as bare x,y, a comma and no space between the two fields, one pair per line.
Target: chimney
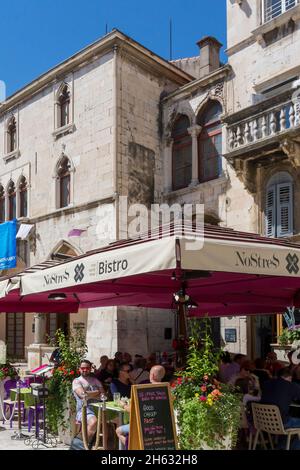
209,55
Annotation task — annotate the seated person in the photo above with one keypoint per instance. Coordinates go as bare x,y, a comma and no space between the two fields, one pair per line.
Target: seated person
139,374
296,375
272,364
87,386
122,384
157,374
261,372
107,374
245,387
282,392
245,372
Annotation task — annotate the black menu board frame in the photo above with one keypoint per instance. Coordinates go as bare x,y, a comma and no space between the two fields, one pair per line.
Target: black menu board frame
149,415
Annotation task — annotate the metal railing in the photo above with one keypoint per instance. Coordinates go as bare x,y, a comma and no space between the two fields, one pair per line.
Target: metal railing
272,8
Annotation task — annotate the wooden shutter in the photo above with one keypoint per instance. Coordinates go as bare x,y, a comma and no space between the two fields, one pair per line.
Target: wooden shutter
270,212
284,210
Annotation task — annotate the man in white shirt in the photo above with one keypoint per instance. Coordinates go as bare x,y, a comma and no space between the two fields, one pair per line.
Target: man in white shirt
87,386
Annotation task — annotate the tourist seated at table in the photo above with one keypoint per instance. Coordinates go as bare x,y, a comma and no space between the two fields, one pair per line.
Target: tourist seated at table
107,374
139,374
156,375
225,370
245,372
87,386
261,372
122,384
272,364
103,363
244,386
128,358
282,392
151,361
118,358
234,367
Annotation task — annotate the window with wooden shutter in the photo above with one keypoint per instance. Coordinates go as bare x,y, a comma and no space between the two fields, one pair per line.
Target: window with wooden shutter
270,212
279,207
284,210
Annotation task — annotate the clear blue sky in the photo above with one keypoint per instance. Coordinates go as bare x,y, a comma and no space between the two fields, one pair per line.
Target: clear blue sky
38,34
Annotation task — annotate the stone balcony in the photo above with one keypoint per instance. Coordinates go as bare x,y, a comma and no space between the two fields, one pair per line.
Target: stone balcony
263,134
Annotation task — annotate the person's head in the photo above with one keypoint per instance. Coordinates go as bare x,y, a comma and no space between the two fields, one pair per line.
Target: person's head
127,357
225,357
285,373
119,356
103,361
245,369
157,373
140,363
123,372
260,363
239,358
110,365
85,368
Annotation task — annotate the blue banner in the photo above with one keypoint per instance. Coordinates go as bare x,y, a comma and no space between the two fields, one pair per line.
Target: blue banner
8,245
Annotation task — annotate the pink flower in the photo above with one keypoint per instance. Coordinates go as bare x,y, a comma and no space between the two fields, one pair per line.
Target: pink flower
202,398
203,388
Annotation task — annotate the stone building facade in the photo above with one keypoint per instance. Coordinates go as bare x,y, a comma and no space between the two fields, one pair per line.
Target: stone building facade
117,120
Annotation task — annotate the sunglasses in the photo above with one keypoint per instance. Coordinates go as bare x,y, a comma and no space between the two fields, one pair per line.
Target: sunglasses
85,368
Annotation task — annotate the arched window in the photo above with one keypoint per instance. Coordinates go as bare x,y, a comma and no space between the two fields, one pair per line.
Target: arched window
210,142
11,135
23,197
279,206
64,180
181,154
2,204
11,192
64,107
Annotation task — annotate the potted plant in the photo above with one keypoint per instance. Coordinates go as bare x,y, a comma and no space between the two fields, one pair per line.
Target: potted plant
8,371
208,413
61,404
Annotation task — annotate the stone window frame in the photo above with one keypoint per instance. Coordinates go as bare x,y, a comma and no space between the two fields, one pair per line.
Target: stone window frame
68,128
175,146
22,188
9,153
2,203
57,178
200,116
11,193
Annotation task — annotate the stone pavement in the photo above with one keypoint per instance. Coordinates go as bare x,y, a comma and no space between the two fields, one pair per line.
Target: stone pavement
6,443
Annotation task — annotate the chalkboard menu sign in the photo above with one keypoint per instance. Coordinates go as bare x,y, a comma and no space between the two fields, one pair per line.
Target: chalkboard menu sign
152,423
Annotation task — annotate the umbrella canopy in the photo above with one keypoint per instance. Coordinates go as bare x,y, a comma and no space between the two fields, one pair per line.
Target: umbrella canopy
224,272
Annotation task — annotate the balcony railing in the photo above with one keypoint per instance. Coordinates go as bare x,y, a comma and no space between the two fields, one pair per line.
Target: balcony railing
273,8
264,125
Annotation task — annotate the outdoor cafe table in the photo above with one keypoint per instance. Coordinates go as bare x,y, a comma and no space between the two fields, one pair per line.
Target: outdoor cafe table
25,395
114,411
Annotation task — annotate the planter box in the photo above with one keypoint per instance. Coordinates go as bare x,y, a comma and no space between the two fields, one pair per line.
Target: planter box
281,352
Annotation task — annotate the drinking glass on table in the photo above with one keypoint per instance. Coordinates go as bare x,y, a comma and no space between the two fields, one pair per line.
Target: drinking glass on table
117,397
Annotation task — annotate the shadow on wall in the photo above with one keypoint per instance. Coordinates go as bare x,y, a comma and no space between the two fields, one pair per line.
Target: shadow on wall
244,6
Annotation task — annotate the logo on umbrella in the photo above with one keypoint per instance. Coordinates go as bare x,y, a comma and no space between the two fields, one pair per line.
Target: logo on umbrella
292,266
79,275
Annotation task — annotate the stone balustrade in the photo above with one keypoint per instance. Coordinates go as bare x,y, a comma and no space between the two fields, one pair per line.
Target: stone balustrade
264,125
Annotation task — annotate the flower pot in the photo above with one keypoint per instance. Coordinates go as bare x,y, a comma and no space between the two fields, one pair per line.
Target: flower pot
67,432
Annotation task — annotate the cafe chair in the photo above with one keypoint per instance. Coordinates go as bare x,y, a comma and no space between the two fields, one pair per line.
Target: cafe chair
102,430
267,418
32,418
8,404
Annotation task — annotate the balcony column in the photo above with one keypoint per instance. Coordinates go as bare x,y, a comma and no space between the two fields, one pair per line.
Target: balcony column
194,133
168,147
